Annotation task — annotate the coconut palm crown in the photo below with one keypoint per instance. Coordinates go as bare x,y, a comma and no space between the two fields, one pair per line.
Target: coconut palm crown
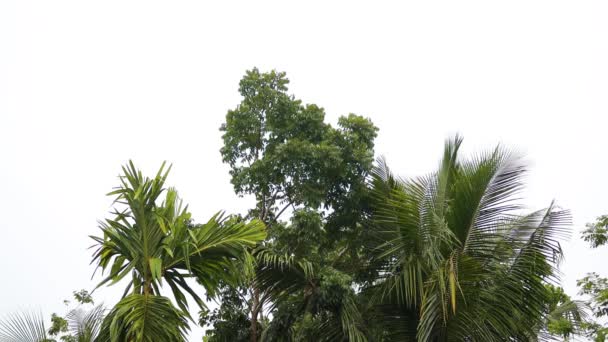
455,258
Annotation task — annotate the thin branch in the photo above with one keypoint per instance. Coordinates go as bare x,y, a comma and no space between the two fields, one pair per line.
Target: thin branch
276,218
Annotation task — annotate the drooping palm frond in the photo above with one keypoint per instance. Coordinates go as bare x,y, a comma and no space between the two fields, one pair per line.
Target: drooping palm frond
280,275
351,320
144,318
513,281
23,327
343,325
304,286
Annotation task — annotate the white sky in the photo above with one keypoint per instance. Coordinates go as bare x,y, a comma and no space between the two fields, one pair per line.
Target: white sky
84,86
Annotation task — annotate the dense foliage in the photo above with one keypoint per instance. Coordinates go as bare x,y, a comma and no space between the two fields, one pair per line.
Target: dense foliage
284,154
454,258
368,256
80,323
337,247
148,243
595,287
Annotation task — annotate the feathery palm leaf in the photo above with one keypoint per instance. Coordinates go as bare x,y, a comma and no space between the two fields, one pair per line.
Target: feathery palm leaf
85,325
151,242
23,327
144,317
299,283
454,254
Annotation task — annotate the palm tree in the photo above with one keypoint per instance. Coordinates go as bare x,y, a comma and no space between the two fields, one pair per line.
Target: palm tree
149,243
454,257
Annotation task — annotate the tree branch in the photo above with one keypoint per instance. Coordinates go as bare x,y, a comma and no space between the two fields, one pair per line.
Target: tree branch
276,218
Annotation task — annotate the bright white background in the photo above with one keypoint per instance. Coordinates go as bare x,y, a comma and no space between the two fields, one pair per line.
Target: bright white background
84,86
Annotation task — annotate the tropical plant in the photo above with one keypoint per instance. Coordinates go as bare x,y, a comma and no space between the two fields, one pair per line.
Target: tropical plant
593,286
148,242
454,258
564,317
282,152
229,321
597,232
84,325
79,325
24,327
311,293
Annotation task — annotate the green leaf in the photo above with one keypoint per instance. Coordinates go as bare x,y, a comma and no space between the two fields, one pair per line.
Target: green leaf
156,268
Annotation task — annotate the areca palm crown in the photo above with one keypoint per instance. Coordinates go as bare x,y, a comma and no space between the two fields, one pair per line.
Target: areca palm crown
150,241
454,257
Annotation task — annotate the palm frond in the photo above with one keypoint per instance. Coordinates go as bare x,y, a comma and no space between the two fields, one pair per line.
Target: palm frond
86,324
144,318
151,239
453,248
23,327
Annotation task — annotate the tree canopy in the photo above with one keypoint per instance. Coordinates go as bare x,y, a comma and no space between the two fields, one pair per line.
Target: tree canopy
336,247
284,154
149,242
366,255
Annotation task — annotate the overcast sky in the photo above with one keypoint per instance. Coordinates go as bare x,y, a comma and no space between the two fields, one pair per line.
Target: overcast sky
87,85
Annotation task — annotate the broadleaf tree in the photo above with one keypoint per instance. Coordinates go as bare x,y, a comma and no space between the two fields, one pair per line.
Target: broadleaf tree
594,286
283,153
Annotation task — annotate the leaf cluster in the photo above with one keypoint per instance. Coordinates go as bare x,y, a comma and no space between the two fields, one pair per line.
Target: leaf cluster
150,241
283,152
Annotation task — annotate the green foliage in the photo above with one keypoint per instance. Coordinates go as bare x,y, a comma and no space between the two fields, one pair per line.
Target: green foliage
83,297
595,287
145,318
58,325
314,298
564,317
85,324
363,256
446,256
454,259
596,331
150,242
229,322
79,324
597,233
283,152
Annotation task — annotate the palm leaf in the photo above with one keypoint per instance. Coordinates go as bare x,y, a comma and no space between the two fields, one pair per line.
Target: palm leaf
452,250
23,327
144,318
85,325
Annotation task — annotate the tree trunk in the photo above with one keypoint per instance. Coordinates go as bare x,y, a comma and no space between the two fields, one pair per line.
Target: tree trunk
255,310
